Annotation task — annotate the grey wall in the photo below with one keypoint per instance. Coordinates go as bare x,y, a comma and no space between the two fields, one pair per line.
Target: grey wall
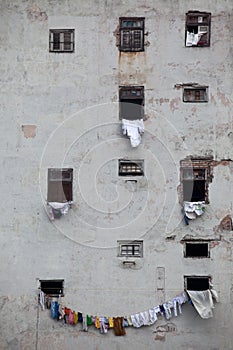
61,110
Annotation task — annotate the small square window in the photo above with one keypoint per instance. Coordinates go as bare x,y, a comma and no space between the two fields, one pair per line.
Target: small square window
60,185
131,168
130,249
131,34
131,100
198,283
196,250
61,40
52,287
197,30
195,94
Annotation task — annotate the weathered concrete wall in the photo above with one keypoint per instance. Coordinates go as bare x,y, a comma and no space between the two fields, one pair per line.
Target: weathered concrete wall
61,110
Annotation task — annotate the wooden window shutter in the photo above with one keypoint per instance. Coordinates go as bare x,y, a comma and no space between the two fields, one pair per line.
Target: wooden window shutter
125,39
137,40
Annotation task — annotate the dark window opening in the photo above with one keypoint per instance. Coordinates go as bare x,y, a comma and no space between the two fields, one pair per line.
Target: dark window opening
194,191
197,283
131,102
60,185
52,287
131,34
195,95
197,30
130,168
199,250
61,40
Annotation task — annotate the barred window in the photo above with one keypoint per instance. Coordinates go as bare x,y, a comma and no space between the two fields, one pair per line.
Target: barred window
195,94
132,34
61,40
130,248
131,168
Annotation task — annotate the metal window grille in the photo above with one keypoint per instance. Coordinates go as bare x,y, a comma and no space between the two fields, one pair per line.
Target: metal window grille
61,40
131,168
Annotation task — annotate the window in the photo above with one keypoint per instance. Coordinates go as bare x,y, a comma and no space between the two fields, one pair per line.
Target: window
60,185
197,31
52,287
131,102
196,174
132,34
131,168
61,40
130,248
196,250
197,94
197,282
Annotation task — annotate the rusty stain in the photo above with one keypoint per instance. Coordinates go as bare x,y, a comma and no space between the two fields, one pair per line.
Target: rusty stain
224,100
174,104
160,336
35,13
161,100
214,244
29,131
223,162
225,224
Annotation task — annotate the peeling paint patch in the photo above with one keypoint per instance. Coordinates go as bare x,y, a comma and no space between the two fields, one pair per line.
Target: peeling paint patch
163,329
35,13
29,131
224,100
225,224
174,104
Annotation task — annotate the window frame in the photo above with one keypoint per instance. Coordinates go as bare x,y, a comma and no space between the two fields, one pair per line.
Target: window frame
54,180
194,165
133,244
132,30
193,22
62,42
204,277
196,243
126,96
139,163
50,281
194,90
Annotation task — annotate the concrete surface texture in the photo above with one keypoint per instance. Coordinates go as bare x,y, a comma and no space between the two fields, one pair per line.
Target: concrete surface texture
61,110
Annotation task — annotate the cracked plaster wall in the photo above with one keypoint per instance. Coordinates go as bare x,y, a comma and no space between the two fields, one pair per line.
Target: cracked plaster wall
71,101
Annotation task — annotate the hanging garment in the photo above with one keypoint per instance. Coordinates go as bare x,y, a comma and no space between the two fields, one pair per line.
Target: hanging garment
118,326
61,312
42,299
167,308
129,321
110,321
137,320
54,309
97,322
85,328
89,320
71,317
153,315
103,326
67,310
75,317
194,209
133,129
80,317
145,317
202,301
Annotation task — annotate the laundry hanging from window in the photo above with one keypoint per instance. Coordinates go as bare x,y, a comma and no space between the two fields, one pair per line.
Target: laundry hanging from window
133,129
